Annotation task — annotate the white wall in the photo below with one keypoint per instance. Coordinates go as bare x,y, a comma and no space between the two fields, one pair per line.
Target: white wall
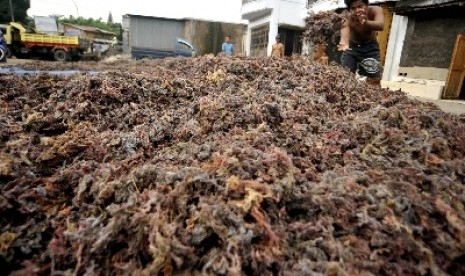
254,24
292,12
326,5
394,47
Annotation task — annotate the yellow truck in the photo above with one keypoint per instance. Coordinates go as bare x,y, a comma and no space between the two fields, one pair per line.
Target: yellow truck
24,44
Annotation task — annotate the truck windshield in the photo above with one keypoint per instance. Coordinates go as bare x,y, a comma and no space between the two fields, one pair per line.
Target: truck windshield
184,46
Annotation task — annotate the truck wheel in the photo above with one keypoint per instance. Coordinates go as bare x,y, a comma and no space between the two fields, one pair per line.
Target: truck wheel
60,55
8,53
76,57
2,54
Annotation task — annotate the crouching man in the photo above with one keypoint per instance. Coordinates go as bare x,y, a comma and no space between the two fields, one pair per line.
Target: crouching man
358,40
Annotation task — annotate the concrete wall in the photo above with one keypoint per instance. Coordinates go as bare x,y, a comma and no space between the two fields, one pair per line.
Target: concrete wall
207,36
429,73
154,33
431,36
292,12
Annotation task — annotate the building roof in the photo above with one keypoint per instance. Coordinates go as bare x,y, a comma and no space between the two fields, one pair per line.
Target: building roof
329,5
181,19
88,28
416,5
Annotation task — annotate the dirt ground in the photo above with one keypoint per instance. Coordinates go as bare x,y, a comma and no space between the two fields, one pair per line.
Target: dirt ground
16,61
454,107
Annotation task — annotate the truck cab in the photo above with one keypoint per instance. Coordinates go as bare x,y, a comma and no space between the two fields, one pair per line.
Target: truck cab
180,48
25,43
184,48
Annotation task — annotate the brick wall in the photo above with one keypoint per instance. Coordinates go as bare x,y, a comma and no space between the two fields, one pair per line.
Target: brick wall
207,36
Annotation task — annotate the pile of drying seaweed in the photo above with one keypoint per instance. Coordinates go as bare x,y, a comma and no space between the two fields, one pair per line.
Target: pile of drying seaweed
323,27
227,166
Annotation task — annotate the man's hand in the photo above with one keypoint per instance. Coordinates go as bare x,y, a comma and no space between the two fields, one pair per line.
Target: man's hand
359,16
362,17
343,47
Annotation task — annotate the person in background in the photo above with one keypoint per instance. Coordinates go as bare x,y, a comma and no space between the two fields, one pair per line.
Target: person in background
320,55
227,47
277,50
98,50
3,48
358,40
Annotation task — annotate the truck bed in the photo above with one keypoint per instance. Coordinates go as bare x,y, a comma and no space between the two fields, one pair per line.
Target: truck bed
50,39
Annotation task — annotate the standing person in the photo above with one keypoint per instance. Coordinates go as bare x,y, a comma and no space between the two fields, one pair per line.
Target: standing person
3,48
227,47
320,55
358,40
277,50
98,50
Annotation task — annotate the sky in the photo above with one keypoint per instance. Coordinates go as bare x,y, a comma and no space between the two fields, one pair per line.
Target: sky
214,10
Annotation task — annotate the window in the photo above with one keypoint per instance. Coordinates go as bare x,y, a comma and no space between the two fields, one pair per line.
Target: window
183,46
259,38
310,2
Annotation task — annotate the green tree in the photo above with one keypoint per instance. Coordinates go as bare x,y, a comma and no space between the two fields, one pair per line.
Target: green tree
20,8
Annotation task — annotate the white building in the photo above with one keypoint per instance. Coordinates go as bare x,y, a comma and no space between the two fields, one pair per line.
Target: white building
268,18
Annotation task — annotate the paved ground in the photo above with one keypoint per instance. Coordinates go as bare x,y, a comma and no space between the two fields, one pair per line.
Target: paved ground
455,107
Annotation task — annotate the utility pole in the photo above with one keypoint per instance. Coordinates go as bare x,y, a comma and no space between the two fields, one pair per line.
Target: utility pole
76,6
11,12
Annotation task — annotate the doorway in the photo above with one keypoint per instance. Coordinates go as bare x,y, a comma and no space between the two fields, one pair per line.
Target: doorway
292,40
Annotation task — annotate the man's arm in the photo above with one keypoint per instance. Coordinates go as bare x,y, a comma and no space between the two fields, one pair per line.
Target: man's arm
345,36
377,24
282,50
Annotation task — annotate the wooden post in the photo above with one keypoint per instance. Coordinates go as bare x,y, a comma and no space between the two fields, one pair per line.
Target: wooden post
456,76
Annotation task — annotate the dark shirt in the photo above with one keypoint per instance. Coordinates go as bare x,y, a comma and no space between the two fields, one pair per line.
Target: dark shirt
2,41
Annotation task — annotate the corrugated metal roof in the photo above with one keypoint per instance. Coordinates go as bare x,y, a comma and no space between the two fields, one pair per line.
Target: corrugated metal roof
155,17
88,28
407,6
180,19
425,3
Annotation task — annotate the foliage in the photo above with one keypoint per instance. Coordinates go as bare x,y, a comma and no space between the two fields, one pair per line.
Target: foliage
20,8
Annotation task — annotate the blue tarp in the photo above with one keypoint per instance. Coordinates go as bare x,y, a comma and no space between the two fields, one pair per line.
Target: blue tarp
20,71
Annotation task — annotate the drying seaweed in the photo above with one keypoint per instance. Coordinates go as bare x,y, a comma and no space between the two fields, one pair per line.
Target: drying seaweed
226,166
323,27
